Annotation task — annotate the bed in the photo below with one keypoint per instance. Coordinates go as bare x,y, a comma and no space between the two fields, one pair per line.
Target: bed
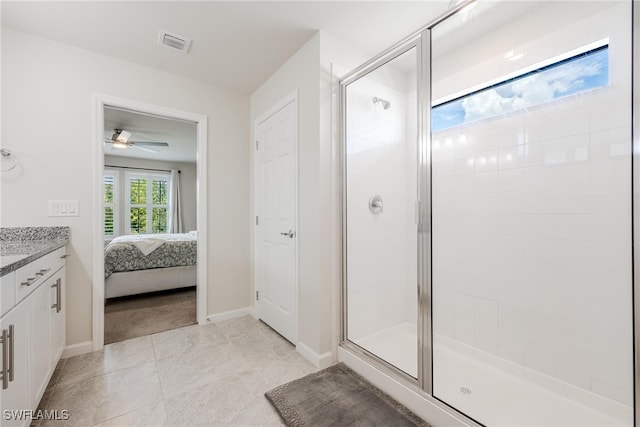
144,263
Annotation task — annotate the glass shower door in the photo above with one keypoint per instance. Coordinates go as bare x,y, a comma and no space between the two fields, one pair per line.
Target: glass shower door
531,213
379,203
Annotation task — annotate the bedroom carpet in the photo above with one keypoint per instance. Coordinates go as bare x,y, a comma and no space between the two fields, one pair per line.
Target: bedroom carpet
337,396
140,315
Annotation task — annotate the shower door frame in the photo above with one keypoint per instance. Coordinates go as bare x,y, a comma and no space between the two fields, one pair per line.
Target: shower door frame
413,42
421,40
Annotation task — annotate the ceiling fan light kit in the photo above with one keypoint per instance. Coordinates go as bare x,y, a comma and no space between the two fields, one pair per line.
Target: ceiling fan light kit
122,135
120,139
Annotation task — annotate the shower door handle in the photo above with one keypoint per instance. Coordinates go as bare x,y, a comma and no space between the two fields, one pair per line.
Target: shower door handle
289,234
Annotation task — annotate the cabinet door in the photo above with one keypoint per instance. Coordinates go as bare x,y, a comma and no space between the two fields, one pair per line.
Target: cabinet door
16,396
39,342
57,310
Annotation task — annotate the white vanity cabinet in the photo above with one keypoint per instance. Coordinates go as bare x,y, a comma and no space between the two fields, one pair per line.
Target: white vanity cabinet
33,333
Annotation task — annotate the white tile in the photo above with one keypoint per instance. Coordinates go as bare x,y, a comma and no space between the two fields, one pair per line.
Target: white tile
487,335
549,153
512,132
538,250
540,353
512,202
539,202
572,201
463,144
533,154
610,228
511,180
609,200
612,391
614,256
572,252
486,161
571,366
463,165
465,330
540,178
611,172
572,227
465,304
574,148
511,157
486,309
572,175
544,226
511,337
610,143
487,138
486,182
485,203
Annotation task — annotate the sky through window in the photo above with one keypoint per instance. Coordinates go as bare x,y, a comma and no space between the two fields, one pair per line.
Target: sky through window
570,76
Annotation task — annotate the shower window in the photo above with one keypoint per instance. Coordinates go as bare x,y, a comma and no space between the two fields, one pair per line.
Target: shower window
579,73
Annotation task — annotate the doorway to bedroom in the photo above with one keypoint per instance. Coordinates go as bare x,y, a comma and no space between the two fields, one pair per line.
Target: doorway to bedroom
150,231
149,221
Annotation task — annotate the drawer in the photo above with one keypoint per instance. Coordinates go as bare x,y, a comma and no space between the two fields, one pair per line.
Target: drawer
7,292
32,275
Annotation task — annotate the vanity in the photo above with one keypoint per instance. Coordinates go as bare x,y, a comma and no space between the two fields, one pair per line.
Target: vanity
32,315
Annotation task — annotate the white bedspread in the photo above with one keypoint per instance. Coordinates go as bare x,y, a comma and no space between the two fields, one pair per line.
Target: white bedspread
148,243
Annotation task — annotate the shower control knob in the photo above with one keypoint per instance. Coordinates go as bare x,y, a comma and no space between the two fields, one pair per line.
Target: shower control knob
289,234
375,204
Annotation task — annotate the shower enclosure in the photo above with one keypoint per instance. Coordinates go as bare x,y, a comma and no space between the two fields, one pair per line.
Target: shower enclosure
487,212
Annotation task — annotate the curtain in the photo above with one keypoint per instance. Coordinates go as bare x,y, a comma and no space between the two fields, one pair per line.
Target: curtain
175,211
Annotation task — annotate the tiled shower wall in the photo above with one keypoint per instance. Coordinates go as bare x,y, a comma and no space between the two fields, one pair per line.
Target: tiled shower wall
381,159
532,221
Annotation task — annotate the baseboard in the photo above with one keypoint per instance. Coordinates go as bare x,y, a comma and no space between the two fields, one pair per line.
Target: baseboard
232,314
322,361
77,349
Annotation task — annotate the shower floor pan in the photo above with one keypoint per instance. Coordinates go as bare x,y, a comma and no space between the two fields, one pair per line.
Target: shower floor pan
494,391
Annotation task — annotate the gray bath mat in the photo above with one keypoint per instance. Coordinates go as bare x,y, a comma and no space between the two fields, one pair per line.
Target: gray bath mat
337,396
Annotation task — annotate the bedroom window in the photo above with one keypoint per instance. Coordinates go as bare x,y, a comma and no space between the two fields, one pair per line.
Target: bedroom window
147,203
110,183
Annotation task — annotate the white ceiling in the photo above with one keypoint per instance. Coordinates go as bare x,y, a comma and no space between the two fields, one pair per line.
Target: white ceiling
180,135
236,44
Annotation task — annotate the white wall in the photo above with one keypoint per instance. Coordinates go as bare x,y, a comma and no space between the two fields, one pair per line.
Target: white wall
47,118
532,212
309,73
188,185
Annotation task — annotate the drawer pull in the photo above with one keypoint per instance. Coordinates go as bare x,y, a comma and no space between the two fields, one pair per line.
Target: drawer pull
30,281
58,304
65,256
5,359
12,339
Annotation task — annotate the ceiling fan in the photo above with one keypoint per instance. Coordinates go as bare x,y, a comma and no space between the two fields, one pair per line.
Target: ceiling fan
120,139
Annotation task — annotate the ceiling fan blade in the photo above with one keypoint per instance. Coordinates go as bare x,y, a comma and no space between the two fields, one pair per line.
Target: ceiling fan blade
139,147
151,143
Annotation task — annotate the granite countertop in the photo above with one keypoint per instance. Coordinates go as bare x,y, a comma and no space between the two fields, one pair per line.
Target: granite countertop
21,245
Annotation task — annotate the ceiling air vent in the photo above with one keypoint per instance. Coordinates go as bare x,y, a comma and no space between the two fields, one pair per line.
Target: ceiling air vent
174,41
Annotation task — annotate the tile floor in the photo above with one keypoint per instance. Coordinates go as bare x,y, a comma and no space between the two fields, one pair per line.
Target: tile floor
213,375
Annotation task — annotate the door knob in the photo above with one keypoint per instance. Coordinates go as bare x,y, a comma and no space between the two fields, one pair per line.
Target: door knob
289,234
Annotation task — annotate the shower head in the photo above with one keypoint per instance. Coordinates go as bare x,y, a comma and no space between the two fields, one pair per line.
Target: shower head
385,104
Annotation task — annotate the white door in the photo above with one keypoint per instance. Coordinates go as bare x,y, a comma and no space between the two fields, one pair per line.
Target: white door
275,237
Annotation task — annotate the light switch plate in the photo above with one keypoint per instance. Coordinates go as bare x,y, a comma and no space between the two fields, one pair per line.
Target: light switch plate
63,208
